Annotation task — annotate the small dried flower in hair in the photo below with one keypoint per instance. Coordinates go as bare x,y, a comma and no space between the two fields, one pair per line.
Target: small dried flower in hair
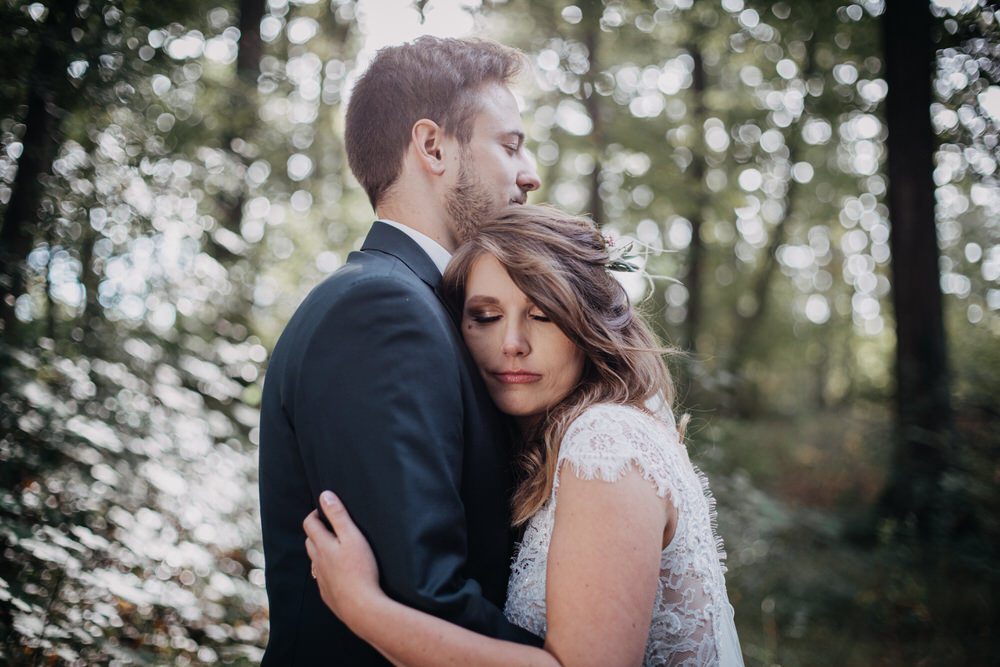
619,259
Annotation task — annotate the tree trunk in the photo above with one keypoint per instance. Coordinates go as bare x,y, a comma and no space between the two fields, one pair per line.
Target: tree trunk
923,408
592,102
749,324
20,221
696,250
47,78
242,122
241,127
251,45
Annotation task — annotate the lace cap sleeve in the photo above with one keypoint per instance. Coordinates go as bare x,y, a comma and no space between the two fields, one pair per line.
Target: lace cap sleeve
607,439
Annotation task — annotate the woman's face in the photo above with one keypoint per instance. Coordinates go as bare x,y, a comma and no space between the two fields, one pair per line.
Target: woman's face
528,363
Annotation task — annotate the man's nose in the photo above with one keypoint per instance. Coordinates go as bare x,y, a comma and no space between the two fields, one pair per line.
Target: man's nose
527,176
528,180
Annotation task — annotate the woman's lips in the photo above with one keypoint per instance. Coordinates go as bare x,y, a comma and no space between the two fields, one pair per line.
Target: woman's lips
517,377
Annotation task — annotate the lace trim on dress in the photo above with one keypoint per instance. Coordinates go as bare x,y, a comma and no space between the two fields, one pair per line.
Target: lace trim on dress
603,456
591,470
713,517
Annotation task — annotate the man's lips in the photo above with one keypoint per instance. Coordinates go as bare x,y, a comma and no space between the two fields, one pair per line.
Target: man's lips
517,377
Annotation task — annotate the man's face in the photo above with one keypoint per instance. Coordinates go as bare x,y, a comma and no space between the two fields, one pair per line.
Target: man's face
494,170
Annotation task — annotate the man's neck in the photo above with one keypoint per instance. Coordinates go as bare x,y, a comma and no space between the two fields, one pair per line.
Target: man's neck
419,213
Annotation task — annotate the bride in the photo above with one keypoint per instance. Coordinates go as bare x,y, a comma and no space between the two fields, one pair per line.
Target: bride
618,563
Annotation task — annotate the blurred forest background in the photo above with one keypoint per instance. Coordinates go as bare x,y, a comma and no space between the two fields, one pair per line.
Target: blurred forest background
823,178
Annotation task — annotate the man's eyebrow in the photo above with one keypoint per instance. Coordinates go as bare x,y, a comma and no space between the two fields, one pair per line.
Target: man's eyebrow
515,133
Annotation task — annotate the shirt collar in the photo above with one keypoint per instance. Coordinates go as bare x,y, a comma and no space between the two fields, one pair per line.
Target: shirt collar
434,250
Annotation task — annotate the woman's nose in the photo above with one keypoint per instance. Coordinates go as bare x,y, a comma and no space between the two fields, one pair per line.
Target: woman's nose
514,342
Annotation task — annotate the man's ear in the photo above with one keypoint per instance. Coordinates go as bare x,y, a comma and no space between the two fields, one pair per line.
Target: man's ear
428,137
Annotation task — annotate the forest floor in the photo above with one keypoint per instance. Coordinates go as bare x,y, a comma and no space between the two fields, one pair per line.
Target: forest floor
814,579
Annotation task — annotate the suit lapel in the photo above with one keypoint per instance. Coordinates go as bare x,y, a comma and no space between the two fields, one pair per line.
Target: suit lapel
388,240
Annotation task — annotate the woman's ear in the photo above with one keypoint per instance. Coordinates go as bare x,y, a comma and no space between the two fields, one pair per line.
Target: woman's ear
428,138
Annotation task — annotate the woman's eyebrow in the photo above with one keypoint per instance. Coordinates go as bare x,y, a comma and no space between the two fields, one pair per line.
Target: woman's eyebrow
482,299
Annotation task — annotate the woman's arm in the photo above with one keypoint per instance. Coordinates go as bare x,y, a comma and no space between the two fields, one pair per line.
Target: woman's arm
603,568
601,584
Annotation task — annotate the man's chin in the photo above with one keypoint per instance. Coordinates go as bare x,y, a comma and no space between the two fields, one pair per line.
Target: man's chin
468,218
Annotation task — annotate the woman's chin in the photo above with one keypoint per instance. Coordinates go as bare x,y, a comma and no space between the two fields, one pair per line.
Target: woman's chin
525,416
512,407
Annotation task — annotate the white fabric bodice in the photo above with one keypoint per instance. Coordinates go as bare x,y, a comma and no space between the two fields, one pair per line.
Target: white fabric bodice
692,620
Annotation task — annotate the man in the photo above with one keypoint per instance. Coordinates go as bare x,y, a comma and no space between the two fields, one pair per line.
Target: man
370,391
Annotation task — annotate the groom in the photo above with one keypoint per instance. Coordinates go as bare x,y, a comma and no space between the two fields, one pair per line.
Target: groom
370,391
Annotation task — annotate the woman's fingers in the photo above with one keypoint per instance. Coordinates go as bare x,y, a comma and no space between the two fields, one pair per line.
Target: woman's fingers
317,533
336,514
342,562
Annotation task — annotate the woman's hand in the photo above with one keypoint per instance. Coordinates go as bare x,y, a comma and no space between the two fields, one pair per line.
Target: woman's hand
342,561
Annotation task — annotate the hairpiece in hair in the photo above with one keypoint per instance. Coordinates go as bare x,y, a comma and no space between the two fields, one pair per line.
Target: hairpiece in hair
622,259
619,258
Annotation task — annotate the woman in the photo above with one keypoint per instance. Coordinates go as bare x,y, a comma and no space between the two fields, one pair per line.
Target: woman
618,563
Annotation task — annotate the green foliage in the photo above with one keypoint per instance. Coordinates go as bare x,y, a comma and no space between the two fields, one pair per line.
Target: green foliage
809,585
128,532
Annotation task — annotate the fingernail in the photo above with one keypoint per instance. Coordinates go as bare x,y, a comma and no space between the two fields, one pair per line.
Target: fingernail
327,498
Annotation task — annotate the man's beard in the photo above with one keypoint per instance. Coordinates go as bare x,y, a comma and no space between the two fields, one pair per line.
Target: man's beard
468,204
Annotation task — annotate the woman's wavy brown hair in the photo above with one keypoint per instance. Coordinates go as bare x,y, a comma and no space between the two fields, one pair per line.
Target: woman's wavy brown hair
560,262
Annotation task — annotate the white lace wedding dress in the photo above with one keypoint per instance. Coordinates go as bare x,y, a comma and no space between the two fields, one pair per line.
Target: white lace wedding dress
692,622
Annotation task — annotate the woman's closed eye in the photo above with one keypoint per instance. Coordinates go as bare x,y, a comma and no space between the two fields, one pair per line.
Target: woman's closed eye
484,317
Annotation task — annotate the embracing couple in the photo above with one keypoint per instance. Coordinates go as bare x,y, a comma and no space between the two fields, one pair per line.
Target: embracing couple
474,363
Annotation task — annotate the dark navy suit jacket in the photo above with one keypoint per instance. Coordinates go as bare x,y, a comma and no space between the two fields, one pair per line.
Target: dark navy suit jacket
371,393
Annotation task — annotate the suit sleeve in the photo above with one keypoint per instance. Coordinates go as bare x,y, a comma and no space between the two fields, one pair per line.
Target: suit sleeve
383,427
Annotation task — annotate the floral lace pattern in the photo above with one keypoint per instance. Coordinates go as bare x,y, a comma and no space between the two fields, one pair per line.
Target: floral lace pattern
692,620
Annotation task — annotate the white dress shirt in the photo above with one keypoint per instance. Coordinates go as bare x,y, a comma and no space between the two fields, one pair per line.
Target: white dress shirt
434,250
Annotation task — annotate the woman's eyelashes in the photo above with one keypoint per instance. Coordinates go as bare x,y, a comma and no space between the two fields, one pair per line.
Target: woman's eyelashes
489,316
483,317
